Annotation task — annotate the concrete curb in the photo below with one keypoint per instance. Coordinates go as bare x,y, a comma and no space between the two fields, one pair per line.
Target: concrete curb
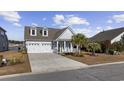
112,63
43,72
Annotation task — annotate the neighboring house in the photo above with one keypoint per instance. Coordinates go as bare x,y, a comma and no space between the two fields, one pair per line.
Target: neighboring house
3,40
109,36
48,40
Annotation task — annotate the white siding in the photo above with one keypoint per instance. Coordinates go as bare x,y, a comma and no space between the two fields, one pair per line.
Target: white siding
117,38
38,47
67,34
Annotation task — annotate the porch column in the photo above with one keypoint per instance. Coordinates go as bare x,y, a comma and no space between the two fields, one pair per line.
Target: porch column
57,46
64,46
71,46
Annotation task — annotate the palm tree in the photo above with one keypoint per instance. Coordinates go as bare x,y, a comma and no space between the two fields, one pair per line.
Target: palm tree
79,40
93,47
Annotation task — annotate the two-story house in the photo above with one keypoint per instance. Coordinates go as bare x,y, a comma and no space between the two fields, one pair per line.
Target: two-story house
48,40
3,40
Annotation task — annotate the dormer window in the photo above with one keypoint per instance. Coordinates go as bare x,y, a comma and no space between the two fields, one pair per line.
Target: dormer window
33,32
45,32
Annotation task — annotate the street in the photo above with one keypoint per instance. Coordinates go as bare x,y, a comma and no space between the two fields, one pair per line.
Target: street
111,72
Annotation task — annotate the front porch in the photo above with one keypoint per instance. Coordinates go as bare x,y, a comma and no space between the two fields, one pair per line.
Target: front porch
62,46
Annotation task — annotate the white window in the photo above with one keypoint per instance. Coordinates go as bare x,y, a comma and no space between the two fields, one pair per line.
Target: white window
45,32
33,32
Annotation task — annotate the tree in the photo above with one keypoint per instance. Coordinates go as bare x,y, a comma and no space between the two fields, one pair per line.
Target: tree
118,46
122,39
93,47
79,40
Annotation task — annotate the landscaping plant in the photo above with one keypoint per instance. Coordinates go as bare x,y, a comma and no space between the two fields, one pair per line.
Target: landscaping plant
93,47
79,40
1,57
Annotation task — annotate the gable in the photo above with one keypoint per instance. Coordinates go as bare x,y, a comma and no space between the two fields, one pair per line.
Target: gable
67,34
117,38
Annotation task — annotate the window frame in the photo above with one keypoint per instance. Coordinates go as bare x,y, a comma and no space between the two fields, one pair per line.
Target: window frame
45,30
35,32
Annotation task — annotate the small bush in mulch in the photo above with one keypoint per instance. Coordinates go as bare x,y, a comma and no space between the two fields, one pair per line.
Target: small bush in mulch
74,54
24,52
69,53
78,55
93,54
111,51
1,57
14,61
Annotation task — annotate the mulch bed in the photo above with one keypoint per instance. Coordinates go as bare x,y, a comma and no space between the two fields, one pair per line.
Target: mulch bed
17,68
101,58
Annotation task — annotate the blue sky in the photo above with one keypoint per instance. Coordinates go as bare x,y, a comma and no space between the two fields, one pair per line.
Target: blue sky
86,22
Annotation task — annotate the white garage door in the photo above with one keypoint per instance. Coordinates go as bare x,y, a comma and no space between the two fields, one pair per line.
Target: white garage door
39,47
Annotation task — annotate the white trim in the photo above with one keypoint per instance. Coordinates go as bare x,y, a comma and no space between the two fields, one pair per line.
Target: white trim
34,30
45,29
65,46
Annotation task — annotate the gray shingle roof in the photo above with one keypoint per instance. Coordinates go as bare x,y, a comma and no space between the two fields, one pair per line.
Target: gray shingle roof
1,29
53,33
107,35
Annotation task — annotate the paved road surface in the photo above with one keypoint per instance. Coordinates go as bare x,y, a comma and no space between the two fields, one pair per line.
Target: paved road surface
106,72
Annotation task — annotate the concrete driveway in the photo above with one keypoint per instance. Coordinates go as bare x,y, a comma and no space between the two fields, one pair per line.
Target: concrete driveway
50,62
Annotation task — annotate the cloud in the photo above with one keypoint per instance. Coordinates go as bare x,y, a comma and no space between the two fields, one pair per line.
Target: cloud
118,18
68,20
86,31
11,16
17,24
62,26
109,27
76,21
83,30
109,21
34,24
98,28
58,19
44,19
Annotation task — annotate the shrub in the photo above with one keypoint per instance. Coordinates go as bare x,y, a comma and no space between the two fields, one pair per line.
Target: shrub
93,47
1,57
68,53
15,60
78,55
11,62
24,52
111,51
118,46
22,49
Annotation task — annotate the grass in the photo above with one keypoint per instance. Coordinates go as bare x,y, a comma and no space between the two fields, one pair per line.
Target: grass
18,68
99,59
